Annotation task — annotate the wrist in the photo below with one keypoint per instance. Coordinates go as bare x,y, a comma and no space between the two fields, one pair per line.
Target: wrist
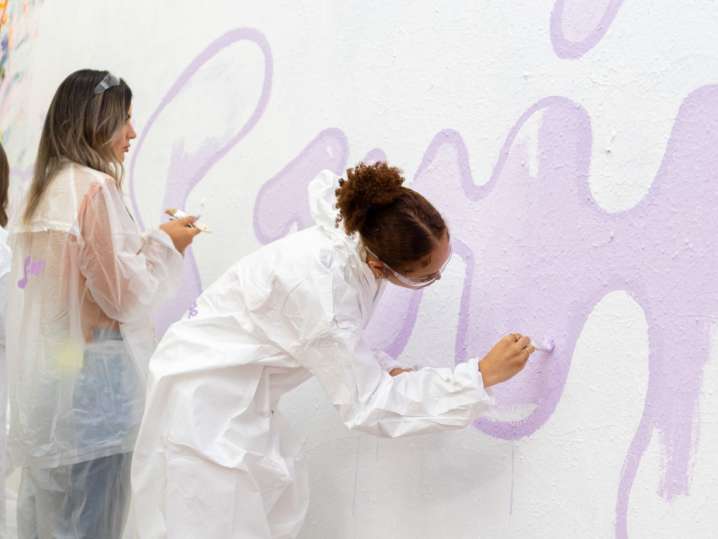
485,374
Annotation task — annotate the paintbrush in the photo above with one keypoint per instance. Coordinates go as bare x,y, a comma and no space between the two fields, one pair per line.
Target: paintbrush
175,213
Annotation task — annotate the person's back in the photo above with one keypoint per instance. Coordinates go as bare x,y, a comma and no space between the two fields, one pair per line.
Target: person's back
214,458
246,306
51,294
213,387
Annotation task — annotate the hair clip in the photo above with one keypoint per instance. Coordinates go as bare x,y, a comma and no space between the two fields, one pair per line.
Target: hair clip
106,83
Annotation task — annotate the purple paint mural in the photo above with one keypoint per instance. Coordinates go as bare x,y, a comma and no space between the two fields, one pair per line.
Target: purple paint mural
539,252
578,25
328,150
547,254
187,168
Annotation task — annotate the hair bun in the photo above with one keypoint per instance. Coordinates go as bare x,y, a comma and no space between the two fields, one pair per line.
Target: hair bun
365,188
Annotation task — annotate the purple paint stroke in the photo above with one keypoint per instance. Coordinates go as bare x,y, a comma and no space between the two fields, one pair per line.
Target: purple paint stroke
392,324
578,16
374,156
548,253
285,194
282,201
187,169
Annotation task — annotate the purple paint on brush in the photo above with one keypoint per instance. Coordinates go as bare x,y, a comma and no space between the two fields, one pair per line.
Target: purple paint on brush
546,345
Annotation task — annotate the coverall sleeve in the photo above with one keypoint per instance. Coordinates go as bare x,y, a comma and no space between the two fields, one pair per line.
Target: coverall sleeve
127,273
331,346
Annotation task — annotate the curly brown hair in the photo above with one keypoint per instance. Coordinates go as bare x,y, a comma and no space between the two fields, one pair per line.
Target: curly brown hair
396,223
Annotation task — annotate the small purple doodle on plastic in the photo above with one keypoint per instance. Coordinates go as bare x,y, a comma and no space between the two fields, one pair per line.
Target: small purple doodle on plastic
30,269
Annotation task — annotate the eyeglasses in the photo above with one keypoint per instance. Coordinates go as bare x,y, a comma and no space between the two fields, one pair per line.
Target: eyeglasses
106,83
415,283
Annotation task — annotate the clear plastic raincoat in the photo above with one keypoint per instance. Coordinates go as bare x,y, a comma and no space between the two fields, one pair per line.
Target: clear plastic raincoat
83,284
214,458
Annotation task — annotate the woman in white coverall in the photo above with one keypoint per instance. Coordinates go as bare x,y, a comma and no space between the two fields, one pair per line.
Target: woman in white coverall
83,283
214,459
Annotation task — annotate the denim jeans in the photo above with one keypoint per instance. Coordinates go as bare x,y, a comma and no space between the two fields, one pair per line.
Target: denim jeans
89,499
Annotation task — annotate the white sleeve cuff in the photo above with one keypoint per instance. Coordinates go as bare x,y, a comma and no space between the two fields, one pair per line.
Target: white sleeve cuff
470,369
386,361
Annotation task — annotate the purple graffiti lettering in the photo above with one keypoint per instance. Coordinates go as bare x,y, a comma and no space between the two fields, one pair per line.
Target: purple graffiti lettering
539,252
548,254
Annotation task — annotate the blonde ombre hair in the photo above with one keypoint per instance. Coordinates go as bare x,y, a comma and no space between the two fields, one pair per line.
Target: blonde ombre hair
81,123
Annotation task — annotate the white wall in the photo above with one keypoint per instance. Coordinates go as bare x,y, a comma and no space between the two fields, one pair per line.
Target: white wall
591,126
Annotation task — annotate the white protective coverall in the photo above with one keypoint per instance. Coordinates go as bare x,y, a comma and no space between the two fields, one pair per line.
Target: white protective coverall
83,284
214,459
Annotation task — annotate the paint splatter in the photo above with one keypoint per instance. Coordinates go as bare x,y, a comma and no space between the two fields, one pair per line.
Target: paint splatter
18,22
